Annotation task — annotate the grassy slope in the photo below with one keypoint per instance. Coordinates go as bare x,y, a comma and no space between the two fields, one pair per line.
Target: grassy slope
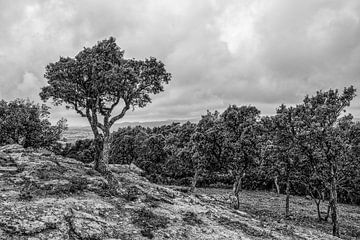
269,208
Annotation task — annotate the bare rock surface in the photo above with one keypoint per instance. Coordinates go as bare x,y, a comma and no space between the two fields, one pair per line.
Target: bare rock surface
43,196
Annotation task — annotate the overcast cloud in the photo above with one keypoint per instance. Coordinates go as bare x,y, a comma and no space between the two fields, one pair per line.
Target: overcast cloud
259,52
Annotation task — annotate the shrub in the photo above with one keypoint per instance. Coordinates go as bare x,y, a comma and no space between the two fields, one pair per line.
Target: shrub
26,123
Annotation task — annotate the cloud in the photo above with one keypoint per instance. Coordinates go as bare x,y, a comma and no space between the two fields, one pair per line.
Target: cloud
255,52
30,86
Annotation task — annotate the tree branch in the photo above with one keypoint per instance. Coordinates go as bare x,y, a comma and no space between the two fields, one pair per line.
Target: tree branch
121,115
76,107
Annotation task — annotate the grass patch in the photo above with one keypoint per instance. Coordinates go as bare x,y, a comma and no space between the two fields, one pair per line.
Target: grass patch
270,208
149,222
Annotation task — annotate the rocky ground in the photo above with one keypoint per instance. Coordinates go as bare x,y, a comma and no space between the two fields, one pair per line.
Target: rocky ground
43,196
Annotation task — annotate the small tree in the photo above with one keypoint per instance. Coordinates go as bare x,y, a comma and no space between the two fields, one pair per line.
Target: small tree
96,81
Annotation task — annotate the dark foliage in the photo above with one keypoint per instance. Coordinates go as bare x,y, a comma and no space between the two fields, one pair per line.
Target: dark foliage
83,150
26,123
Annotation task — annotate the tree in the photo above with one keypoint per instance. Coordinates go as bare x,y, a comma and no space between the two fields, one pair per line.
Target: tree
179,148
208,147
285,147
242,132
270,166
26,123
96,81
327,136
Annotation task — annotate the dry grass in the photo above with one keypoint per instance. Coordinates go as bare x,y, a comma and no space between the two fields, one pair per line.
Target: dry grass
269,208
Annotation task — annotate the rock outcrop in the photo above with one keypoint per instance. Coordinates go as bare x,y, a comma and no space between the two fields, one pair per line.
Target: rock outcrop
43,196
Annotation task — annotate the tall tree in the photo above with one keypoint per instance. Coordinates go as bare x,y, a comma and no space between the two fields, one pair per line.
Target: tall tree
285,146
99,81
322,129
241,128
208,146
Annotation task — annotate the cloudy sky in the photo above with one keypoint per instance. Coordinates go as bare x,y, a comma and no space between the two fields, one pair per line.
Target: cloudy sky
258,52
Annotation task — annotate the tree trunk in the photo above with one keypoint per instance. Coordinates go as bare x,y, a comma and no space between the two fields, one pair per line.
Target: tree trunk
318,202
287,191
333,201
327,213
102,146
277,185
106,151
194,180
237,188
98,143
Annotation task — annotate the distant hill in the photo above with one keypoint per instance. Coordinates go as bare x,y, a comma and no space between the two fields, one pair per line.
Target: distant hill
76,133
151,124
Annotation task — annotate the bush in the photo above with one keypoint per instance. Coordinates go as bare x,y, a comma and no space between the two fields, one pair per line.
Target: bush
83,150
26,123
